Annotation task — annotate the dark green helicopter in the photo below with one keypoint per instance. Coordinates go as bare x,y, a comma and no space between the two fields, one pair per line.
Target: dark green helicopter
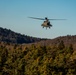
46,22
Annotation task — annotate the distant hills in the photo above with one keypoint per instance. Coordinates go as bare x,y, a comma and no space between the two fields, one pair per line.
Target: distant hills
66,40
69,39
7,35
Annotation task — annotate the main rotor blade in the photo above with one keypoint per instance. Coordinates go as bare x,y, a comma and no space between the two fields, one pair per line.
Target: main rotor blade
56,19
37,18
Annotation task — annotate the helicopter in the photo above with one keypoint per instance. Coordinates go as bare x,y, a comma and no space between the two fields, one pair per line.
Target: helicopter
46,22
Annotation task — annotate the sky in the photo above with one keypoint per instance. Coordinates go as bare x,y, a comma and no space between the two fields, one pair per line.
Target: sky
14,15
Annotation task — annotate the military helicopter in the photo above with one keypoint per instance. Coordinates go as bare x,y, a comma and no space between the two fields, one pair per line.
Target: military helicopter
46,22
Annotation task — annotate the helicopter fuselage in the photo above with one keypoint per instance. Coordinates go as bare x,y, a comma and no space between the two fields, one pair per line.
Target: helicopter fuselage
46,24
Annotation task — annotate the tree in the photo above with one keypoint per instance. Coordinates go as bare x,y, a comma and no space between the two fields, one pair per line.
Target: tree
61,45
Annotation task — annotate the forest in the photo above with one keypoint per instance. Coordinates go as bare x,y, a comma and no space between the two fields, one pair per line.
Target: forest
20,59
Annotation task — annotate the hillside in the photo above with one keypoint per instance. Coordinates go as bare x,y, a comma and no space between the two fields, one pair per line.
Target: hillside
6,35
40,57
67,40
